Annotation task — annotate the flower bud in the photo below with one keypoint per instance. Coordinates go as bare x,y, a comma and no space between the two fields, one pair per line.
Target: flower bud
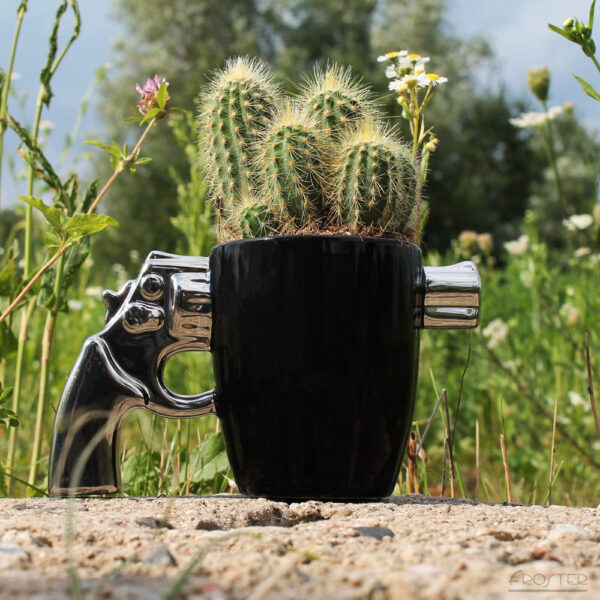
467,240
149,95
538,80
486,243
431,145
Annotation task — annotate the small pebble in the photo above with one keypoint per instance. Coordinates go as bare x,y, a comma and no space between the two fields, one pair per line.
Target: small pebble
12,556
153,523
160,556
568,533
375,532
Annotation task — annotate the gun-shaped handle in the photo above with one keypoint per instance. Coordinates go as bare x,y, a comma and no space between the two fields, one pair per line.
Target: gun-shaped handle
451,297
165,311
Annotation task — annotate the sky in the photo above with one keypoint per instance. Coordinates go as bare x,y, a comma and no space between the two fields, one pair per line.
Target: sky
516,29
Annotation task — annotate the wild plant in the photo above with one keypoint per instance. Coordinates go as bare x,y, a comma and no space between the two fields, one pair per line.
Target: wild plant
579,33
69,222
415,89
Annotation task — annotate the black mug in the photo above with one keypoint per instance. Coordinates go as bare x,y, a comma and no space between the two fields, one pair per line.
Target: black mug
315,344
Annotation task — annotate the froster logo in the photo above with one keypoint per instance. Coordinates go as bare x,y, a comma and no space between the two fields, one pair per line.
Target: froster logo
521,581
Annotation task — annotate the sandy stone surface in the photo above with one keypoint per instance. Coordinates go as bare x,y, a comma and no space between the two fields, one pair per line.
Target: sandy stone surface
230,547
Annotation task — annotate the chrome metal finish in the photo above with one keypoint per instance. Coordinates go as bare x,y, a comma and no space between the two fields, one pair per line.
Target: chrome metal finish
152,287
166,310
113,301
141,317
452,297
190,308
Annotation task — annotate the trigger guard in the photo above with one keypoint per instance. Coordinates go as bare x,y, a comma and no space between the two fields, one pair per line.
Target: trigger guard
180,405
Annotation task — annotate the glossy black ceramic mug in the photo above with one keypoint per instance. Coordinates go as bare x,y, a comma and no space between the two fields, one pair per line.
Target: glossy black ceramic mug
315,343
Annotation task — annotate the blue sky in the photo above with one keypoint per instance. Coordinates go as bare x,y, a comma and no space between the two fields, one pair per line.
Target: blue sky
516,29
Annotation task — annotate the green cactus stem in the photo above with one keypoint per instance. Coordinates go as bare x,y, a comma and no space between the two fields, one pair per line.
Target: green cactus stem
291,154
251,218
373,176
235,107
337,98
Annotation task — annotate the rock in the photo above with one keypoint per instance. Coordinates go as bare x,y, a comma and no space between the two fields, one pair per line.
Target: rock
208,525
12,556
375,532
160,555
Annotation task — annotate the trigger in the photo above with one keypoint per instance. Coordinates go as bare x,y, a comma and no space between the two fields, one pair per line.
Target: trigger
114,300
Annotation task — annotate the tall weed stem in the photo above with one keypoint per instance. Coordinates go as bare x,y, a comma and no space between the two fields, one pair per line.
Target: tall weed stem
47,343
551,151
6,88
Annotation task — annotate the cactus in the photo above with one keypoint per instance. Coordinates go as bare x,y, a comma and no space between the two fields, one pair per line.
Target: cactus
322,161
250,217
291,157
373,174
337,98
236,106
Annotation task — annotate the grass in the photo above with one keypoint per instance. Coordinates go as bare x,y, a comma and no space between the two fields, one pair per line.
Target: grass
510,389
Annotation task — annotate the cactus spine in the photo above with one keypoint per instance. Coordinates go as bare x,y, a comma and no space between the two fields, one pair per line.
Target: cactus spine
236,107
337,98
372,178
291,157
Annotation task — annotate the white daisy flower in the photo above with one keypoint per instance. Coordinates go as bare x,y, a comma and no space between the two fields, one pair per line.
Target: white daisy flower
392,55
496,331
577,400
517,247
390,72
581,221
536,119
435,79
582,252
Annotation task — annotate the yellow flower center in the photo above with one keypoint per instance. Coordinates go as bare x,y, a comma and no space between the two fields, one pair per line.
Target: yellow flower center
414,56
432,76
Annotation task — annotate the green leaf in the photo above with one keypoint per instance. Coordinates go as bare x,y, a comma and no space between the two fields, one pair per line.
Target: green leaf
144,160
591,19
212,458
151,114
9,279
5,395
80,225
8,341
178,110
162,96
112,149
89,196
587,88
51,214
132,119
52,240
73,260
562,32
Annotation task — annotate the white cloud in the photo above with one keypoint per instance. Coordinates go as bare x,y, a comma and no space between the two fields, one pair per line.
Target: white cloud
518,31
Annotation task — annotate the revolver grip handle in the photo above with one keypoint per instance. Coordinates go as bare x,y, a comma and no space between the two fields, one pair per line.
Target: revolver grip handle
83,458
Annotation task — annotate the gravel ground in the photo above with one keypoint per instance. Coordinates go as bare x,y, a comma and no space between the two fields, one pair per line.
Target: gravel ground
228,547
